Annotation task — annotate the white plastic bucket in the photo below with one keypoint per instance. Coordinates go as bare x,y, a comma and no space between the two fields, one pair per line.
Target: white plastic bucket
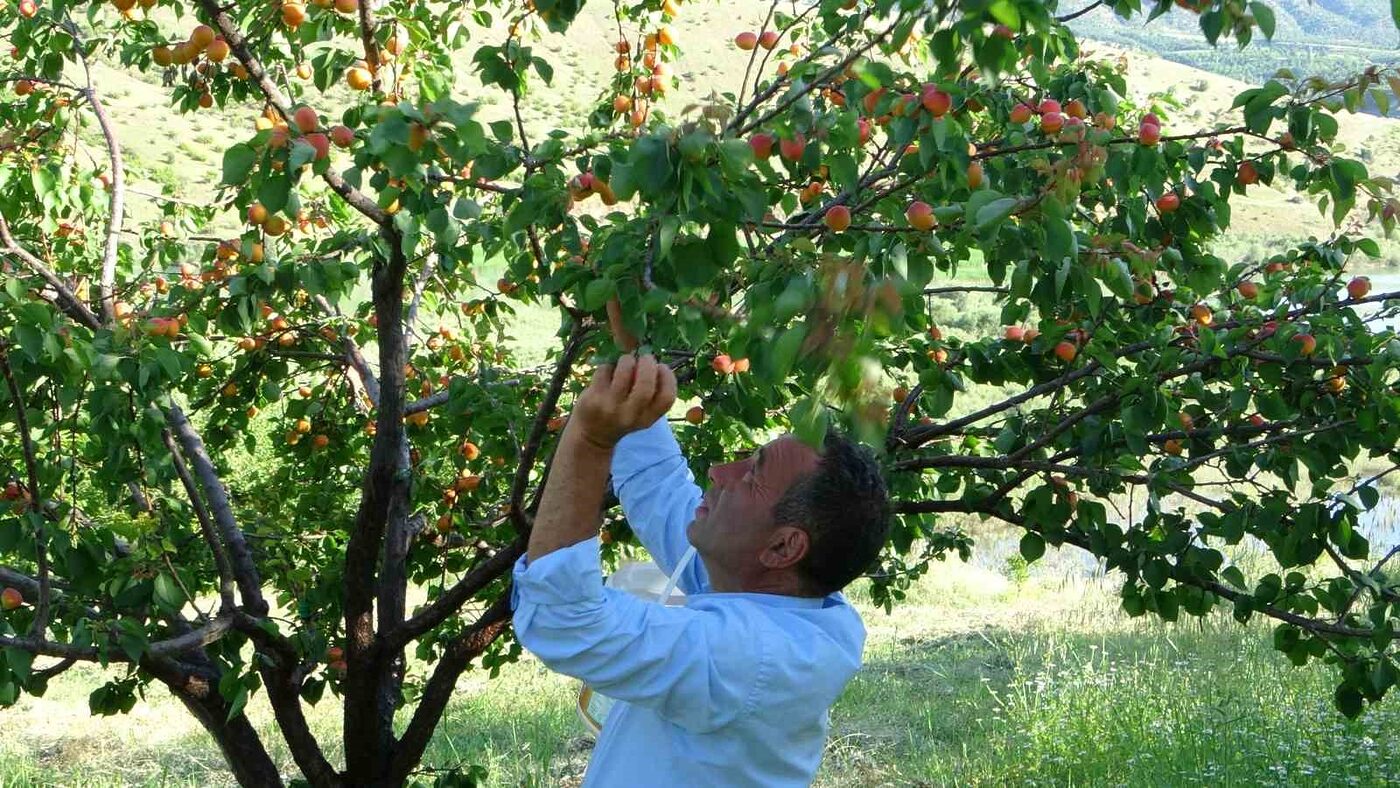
644,580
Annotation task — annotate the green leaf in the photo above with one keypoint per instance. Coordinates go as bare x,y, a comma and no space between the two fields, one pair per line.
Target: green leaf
20,662
1347,699
694,265
1005,12
273,192
466,208
809,420
597,293
1032,546
167,593
994,212
543,68
238,162
844,170
240,699
302,154
1370,496
1060,242
1265,17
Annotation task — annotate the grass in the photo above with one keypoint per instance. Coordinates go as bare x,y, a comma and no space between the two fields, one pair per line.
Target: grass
976,680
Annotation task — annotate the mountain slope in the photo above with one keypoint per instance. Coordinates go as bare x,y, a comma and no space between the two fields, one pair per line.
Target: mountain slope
1327,37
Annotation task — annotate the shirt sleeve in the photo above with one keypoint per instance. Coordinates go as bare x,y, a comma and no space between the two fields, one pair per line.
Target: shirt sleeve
659,495
687,665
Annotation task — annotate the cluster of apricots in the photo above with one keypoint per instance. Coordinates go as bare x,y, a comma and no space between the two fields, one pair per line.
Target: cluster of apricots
654,81
204,48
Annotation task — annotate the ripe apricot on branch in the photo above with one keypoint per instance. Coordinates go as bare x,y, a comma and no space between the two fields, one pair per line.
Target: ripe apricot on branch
920,216
792,149
1066,351
293,14
838,218
974,175
1358,287
358,78
306,119
762,145
1247,174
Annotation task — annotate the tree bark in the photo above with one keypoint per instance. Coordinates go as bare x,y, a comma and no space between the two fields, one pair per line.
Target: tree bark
438,692
369,685
238,740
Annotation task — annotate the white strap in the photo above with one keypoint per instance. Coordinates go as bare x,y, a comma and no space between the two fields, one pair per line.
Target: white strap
676,575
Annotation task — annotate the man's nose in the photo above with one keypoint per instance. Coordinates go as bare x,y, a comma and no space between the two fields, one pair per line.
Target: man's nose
721,474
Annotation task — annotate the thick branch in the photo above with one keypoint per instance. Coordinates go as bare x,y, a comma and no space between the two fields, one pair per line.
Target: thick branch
282,676
245,571
67,301
383,509
460,652
190,641
206,524
451,601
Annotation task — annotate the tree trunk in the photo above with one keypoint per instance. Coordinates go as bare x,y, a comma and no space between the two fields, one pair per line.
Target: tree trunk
237,739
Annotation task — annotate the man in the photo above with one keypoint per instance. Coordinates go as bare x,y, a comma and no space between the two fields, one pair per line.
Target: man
733,688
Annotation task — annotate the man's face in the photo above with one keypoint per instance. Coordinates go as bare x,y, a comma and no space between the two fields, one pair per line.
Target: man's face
735,521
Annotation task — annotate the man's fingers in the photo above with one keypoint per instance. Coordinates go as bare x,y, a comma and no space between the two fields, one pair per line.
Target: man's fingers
623,375
665,395
646,383
602,376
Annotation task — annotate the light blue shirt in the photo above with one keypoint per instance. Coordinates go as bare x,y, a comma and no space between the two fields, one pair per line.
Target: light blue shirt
731,689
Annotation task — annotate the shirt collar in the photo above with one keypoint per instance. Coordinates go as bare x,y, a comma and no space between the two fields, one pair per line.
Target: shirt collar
771,600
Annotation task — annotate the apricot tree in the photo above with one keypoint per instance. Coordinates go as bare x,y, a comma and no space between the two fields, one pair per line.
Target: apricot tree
240,435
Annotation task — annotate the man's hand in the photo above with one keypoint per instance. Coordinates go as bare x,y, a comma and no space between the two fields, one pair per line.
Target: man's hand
623,398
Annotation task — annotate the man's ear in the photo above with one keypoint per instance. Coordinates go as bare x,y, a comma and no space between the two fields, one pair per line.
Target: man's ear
787,545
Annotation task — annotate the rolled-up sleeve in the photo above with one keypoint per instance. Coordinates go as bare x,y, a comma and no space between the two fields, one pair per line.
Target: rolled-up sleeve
659,495
687,665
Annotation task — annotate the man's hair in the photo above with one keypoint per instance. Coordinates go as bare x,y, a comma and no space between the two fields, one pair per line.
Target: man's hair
844,508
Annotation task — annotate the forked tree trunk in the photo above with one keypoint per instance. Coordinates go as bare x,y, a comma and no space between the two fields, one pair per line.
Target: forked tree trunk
237,739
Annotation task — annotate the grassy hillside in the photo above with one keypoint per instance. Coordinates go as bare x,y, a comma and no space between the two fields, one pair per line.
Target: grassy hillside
1327,37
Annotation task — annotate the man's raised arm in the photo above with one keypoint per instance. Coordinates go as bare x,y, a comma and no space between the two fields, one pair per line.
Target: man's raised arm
659,495
657,490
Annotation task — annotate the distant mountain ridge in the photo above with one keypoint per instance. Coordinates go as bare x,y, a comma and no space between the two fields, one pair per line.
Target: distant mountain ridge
1328,37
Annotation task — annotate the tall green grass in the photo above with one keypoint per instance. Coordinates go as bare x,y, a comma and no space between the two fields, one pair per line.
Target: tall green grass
975,680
